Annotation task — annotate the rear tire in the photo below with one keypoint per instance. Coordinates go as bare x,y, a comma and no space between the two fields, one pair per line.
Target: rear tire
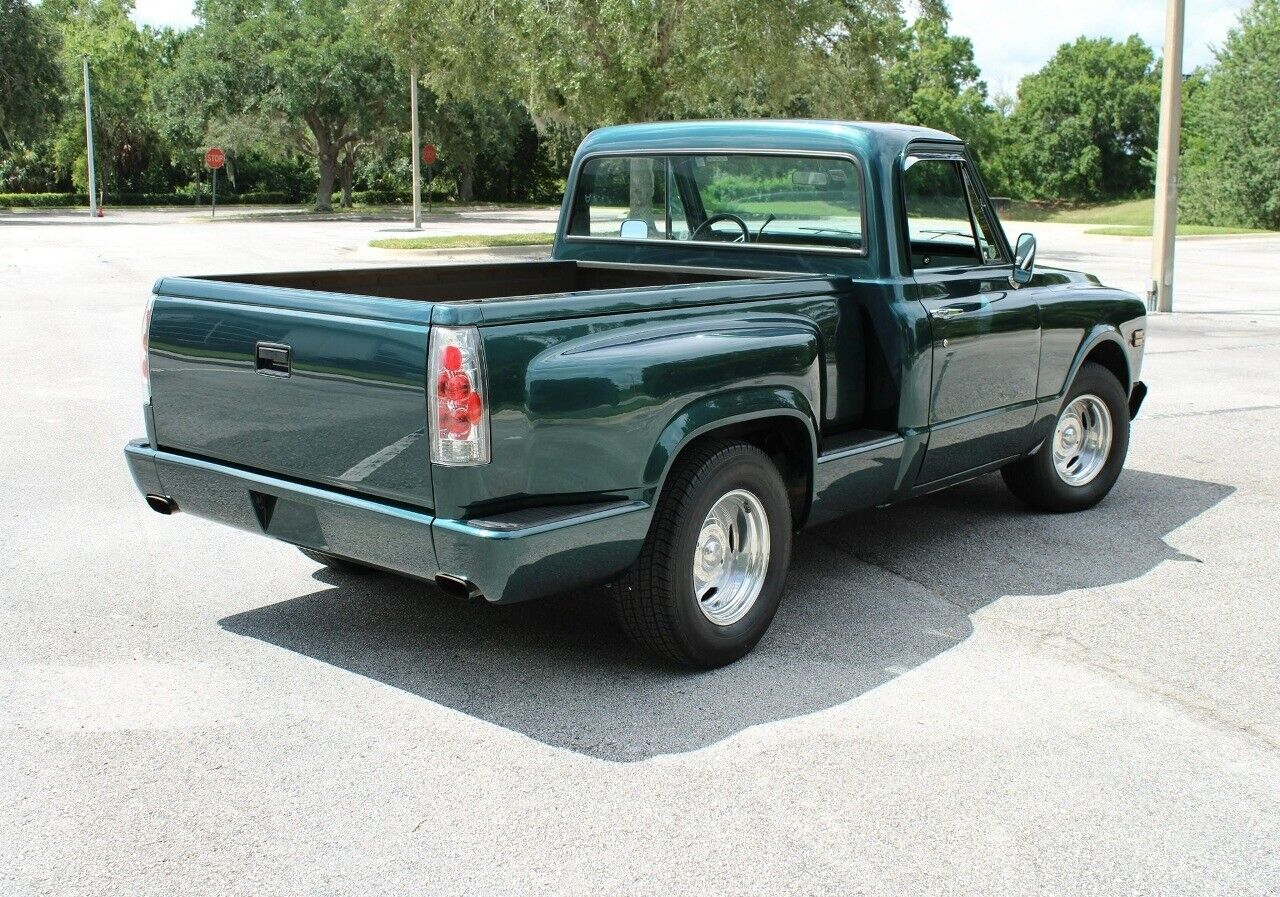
337,564
1081,460
710,575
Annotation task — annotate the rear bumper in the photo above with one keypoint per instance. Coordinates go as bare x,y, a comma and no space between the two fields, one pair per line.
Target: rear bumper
509,558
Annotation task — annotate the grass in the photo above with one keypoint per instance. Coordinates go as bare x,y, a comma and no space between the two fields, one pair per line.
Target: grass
465,241
1184,230
812,208
1128,218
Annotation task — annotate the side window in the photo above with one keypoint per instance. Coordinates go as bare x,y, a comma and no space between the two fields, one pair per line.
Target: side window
938,216
987,241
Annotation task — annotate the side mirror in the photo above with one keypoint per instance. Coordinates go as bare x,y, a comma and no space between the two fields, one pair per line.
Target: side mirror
1024,260
634,229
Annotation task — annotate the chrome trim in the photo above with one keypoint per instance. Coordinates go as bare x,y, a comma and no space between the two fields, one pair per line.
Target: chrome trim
1081,443
731,557
860,448
562,233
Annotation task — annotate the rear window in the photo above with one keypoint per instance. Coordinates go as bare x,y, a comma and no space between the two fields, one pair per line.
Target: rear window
732,199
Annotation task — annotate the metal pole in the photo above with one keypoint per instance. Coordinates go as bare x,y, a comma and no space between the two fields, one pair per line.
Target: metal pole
1165,230
213,207
88,139
417,150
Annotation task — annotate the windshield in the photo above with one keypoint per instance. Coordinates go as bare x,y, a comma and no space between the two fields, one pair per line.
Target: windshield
794,201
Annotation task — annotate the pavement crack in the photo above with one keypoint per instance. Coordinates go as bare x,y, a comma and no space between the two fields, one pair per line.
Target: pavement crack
1210,412
1072,649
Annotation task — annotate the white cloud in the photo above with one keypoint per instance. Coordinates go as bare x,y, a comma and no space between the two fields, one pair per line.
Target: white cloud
158,13
1012,40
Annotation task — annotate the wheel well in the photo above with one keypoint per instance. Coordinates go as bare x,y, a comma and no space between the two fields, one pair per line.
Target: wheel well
784,439
1111,357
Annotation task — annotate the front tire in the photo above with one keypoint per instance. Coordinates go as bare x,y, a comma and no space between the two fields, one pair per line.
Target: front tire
1081,460
710,575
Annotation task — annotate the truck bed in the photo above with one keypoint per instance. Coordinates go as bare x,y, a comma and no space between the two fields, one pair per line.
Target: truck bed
486,281
344,400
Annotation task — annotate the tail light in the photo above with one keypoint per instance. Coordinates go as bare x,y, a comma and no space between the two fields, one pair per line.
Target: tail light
459,409
146,347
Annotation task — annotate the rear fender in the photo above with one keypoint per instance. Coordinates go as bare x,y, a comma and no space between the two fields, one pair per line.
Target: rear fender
726,411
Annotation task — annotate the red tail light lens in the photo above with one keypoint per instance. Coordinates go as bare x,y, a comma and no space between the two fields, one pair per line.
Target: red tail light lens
460,417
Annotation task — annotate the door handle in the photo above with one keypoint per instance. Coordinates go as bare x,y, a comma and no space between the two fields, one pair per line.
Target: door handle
273,359
957,308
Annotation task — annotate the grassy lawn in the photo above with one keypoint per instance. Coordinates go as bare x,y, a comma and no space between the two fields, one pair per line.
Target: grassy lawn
1130,218
1184,230
467,241
811,208
1130,212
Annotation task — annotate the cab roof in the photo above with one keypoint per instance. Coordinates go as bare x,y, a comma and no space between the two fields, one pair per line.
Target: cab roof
811,135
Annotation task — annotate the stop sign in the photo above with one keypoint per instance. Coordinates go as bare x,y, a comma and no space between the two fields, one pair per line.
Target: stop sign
215,157
429,154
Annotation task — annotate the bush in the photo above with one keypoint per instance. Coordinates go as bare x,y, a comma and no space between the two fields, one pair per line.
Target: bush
77,200
43,200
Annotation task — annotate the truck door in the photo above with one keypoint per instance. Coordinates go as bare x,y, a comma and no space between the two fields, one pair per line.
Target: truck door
986,333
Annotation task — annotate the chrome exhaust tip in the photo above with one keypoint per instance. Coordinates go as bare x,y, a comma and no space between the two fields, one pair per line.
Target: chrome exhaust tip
457,586
162,504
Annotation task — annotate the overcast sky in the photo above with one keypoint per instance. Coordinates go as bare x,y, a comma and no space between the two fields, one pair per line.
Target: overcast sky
1009,40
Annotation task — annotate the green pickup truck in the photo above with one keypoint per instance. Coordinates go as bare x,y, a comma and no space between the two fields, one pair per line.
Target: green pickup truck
744,329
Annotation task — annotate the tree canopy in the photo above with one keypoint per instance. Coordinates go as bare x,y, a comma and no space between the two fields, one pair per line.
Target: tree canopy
307,95
302,71
1232,154
1084,123
30,76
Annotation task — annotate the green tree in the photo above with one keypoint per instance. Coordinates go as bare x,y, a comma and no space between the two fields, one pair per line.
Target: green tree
839,63
580,64
1085,122
122,66
935,82
30,75
934,79
1232,152
473,134
301,73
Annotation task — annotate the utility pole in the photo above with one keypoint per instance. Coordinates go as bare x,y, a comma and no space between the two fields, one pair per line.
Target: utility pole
416,141
88,139
1165,230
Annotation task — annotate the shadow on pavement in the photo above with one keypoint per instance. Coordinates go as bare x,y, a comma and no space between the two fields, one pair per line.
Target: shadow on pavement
869,597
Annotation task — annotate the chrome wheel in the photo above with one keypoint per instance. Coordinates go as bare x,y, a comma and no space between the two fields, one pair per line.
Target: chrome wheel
1082,440
731,558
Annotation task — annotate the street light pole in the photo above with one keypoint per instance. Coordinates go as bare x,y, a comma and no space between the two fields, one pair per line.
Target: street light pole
88,139
416,140
1166,210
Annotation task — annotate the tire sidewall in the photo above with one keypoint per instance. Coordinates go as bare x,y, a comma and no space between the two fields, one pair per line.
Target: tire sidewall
713,644
1097,381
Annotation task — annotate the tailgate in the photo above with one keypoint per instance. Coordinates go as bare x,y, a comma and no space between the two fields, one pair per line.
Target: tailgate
315,387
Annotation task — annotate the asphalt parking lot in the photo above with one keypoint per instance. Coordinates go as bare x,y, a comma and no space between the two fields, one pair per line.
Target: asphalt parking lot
958,696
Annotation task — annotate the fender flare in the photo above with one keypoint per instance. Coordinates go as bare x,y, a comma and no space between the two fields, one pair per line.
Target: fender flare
725,409
1101,333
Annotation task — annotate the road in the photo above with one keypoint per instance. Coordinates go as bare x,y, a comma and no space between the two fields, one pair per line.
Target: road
958,696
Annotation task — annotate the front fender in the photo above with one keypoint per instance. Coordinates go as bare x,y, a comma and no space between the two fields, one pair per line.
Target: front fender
1049,407
1101,333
